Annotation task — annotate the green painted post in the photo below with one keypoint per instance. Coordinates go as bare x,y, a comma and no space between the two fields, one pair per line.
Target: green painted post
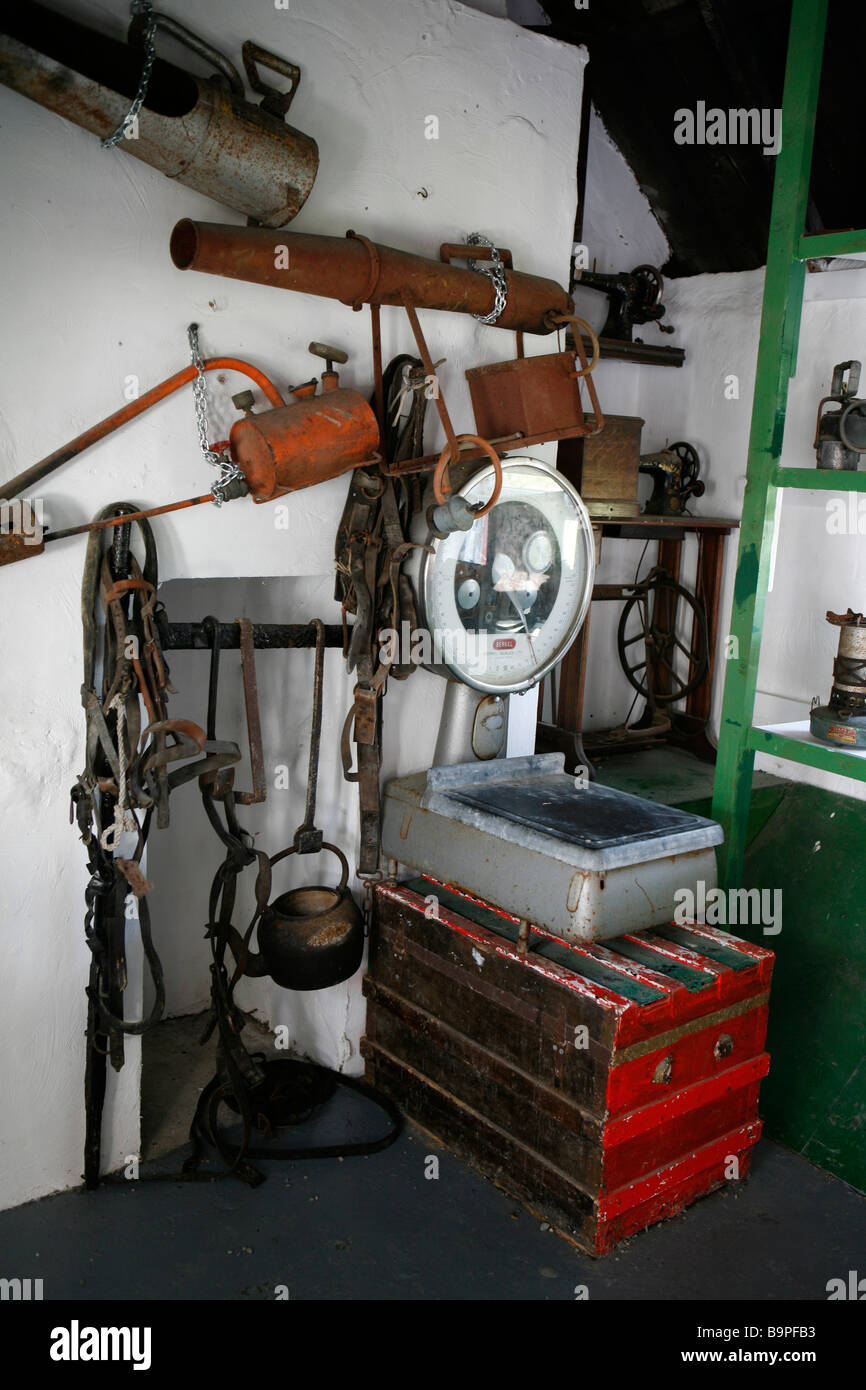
780,318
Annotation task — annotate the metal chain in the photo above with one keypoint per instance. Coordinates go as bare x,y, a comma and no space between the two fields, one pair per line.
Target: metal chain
228,471
138,7
495,271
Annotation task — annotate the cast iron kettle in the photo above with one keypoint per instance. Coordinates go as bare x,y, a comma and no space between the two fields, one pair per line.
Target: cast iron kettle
310,937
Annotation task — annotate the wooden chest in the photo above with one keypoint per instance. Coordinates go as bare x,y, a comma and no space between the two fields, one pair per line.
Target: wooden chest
607,1087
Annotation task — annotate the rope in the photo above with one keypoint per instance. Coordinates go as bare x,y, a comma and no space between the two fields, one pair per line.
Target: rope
124,820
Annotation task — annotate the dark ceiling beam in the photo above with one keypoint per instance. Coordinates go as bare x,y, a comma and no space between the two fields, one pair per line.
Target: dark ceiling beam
649,58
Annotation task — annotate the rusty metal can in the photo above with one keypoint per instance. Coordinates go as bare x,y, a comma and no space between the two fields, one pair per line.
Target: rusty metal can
527,396
312,439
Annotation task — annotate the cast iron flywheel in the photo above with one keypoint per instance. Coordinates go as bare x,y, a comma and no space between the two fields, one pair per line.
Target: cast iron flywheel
656,602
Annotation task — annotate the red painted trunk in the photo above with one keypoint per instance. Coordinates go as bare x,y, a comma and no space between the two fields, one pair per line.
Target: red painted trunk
605,1086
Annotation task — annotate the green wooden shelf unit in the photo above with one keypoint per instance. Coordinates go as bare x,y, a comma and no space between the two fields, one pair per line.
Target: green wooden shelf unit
787,253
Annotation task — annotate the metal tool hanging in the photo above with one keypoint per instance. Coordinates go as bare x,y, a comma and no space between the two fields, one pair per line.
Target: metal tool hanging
316,437
201,131
357,271
309,938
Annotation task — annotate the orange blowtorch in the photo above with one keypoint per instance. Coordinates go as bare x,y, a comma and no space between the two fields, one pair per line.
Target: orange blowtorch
290,446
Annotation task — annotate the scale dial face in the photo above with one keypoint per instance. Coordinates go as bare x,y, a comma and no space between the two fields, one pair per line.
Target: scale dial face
505,600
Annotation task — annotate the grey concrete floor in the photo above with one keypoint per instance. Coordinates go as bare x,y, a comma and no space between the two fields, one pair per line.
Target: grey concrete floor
378,1228
175,1070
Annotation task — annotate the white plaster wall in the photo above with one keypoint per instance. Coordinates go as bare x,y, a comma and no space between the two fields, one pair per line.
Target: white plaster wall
620,228
620,232
89,298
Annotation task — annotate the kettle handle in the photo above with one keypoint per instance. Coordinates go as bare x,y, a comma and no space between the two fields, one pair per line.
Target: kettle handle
293,849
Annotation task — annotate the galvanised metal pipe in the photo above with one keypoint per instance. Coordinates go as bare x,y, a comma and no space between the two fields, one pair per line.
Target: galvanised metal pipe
192,129
356,271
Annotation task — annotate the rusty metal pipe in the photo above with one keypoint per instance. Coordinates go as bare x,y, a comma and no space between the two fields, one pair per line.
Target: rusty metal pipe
129,412
355,271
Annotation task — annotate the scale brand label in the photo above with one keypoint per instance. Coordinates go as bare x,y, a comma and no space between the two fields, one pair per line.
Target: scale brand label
504,644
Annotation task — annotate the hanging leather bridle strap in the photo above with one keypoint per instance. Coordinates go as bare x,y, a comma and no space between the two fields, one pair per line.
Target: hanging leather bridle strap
370,550
125,782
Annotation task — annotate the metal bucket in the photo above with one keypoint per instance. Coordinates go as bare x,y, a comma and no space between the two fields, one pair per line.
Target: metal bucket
312,937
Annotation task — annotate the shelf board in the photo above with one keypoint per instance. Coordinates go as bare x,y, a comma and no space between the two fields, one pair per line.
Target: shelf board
795,743
647,354
821,479
644,526
830,244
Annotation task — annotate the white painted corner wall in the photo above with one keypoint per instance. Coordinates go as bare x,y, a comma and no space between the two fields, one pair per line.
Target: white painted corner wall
90,298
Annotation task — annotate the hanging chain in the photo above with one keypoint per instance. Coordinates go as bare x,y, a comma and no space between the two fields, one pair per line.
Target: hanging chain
228,472
495,271
199,391
138,7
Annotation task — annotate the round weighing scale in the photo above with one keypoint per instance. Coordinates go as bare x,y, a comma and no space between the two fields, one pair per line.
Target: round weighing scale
503,601
508,597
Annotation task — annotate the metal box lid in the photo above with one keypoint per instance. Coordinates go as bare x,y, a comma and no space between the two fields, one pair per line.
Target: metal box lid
532,800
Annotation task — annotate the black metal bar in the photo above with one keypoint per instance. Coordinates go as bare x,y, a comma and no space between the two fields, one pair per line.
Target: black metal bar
650,354
192,636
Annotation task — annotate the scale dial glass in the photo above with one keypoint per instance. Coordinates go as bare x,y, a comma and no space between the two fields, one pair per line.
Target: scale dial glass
505,600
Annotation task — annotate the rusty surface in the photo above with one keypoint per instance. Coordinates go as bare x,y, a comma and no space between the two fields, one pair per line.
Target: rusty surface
430,371
254,723
191,129
225,780
451,455
312,439
14,546
342,268
378,377
135,878
312,937
88,526
461,250
529,396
